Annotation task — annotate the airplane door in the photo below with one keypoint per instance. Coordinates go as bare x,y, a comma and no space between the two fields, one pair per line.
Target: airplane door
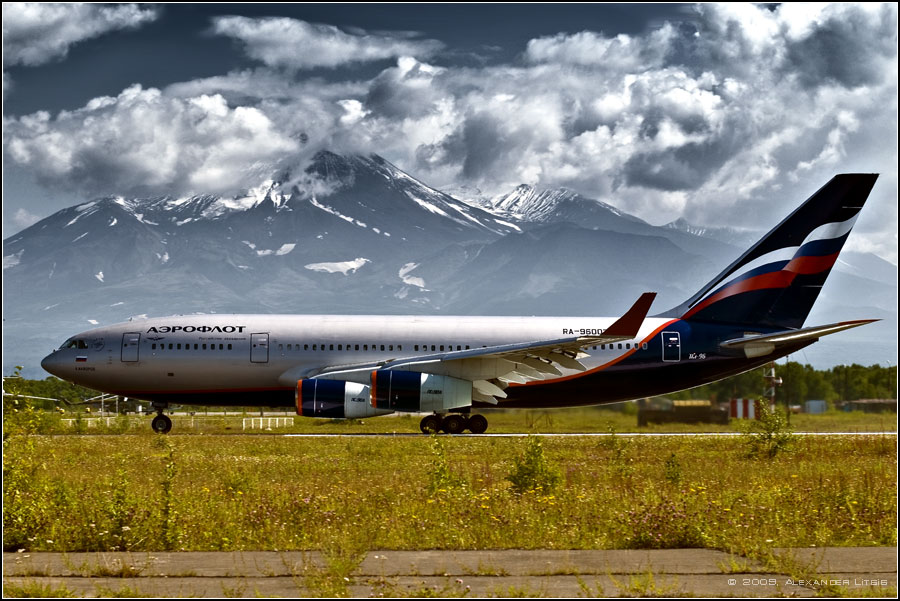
131,346
259,348
671,344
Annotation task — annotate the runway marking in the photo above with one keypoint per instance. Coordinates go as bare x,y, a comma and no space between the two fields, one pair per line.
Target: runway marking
575,434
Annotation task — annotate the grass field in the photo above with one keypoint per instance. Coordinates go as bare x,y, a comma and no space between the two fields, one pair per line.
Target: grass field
344,496
571,420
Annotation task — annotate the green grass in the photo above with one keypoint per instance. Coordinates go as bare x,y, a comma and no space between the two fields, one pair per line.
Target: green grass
144,492
566,420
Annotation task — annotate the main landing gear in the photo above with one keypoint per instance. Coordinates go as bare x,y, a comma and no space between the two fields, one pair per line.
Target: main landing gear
161,424
453,423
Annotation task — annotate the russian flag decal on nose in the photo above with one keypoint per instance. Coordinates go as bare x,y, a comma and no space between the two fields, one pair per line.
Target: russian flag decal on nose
81,359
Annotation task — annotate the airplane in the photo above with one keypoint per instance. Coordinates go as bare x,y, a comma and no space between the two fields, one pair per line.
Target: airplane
336,366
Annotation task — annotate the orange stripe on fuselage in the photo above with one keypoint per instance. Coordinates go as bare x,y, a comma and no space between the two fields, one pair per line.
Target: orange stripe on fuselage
618,359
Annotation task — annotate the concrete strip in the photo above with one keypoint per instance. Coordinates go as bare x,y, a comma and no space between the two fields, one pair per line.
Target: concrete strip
551,573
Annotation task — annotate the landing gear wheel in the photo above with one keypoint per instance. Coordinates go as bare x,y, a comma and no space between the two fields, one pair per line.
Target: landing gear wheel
161,424
477,424
430,424
453,423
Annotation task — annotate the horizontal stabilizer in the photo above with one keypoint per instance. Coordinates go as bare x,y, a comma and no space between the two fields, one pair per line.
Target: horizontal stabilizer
763,344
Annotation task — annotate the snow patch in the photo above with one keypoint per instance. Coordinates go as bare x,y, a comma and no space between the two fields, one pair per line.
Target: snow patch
80,237
85,206
48,307
117,304
99,276
93,322
336,213
410,280
285,249
428,206
344,267
12,260
182,222
113,222
508,224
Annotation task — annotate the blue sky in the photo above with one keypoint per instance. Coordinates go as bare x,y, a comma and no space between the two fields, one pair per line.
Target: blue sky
721,114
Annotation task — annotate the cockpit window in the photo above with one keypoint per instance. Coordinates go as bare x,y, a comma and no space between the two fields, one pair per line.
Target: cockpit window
78,343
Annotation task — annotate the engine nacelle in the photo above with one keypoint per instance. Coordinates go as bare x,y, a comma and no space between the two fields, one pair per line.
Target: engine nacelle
413,391
335,399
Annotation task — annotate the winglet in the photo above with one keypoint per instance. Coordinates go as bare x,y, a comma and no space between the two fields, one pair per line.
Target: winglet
628,325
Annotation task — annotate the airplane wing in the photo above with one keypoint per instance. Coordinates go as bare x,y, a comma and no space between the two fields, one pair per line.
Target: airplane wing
490,368
763,344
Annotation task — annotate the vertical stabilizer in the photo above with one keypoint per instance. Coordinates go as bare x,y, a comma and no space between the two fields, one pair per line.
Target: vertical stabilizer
776,282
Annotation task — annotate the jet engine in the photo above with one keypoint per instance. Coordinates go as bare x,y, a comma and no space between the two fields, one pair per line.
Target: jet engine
414,391
335,399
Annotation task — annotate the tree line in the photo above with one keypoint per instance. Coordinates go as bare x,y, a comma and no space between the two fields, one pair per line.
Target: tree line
803,383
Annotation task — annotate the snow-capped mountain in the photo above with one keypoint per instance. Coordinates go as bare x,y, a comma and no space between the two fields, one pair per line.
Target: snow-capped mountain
349,234
728,235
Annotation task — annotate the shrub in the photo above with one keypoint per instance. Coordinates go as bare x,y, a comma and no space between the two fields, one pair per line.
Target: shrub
532,471
768,434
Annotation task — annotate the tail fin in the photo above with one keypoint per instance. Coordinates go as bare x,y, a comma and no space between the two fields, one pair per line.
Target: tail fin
776,282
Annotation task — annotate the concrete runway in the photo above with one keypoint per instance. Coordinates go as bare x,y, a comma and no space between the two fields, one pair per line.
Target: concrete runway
563,434
545,573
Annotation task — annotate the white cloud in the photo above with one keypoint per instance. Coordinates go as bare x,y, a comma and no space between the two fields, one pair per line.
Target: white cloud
736,123
24,218
37,33
295,44
145,140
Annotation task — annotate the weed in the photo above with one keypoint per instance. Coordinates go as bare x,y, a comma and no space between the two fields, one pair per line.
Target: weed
768,434
123,592
644,585
441,477
532,471
236,591
584,590
35,589
672,470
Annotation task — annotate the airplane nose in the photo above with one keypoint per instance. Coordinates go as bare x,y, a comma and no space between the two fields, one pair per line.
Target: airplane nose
52,364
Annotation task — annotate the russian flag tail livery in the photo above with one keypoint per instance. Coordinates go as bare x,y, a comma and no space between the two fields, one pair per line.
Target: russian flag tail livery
776,282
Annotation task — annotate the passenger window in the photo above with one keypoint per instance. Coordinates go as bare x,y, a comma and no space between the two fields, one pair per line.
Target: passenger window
644,346
620,346
382,347
229,347
390,347
196,346
340,347
221,347
399,347
365,347
416,347
314,347
178,346
204,346
467,347
153,346
356,347
432,347
627,345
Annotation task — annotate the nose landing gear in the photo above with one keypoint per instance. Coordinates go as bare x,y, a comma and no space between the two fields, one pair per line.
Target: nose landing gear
161,424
